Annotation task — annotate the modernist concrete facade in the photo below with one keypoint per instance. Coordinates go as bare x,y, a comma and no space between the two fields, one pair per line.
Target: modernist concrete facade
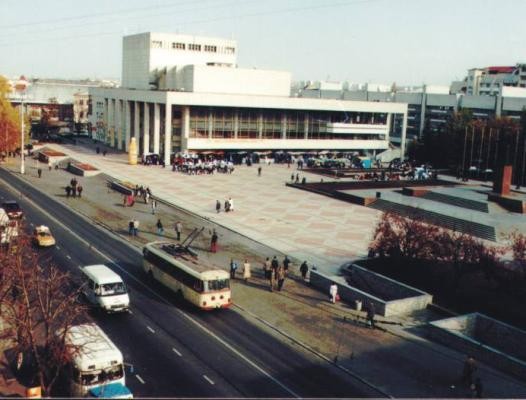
185,93
429,109
209,121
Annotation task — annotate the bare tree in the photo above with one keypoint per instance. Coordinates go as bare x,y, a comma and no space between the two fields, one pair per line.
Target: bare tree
39,305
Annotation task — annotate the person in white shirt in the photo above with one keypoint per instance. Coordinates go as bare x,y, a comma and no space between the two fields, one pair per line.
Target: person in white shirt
333,292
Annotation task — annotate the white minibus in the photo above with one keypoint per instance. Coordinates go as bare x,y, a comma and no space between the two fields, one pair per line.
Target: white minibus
96,364
104,288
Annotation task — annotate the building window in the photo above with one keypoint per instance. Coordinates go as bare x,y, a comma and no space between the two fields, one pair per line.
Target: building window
178,46
230,50
194,47
157,44
210,49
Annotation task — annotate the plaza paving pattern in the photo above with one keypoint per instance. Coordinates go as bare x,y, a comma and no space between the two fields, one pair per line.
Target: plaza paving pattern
325,232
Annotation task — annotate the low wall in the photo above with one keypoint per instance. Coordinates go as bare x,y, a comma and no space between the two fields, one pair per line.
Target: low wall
516,205
77,170
388,296
501,345
119,187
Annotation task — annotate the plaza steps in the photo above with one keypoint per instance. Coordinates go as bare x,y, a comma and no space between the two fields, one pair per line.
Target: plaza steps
456,201
445,221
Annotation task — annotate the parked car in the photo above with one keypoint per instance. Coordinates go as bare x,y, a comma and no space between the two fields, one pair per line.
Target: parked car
42,236
12,209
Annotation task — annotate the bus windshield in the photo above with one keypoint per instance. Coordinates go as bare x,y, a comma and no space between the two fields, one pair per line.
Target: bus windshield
112,289
218,284
101,376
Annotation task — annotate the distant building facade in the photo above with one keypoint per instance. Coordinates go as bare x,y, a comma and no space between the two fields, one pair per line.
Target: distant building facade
186,93
428,107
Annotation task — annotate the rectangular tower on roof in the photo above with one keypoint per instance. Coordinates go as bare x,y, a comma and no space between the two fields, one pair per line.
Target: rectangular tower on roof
146,56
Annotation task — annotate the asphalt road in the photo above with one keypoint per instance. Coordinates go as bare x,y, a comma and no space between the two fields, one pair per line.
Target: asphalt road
176,350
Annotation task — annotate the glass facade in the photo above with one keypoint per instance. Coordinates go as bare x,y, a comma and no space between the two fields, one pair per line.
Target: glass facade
229,123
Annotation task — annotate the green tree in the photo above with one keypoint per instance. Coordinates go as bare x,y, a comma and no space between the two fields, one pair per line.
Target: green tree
9,121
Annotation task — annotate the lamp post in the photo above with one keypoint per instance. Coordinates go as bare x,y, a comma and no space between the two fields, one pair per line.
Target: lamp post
21,86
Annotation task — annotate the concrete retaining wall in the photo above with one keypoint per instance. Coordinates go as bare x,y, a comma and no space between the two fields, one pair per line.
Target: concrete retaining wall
496,343
388,296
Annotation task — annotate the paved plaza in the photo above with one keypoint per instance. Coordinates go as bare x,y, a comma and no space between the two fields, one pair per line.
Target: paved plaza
306,226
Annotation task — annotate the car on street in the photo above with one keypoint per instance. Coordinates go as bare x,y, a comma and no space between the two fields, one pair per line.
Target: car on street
42,236
12,209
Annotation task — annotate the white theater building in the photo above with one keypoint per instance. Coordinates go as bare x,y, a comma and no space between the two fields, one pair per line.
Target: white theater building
186,93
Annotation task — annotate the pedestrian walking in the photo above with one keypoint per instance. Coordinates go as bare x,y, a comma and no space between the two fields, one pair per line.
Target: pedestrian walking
304,268
230,204
470,366
49,166
246,271
135,227
130,227
178,229
371,313
333,292
297,178
79,190
280,276
267,267
259,171
218,206
478,388
272,279
68,191
275,263
292,178
233,268
154,206
39,171
213,242
286,263
160,229
227,206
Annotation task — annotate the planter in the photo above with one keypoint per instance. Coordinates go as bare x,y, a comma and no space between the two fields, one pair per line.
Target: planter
83,169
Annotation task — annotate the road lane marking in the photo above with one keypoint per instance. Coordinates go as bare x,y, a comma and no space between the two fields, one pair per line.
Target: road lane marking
209,380
140,379
57,247
150,329
32,224
149,289
130,311
68,256
176,352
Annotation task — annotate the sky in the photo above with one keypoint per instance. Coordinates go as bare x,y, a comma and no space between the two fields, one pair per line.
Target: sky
407,42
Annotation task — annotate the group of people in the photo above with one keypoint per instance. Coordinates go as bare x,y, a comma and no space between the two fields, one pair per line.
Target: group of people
74,188
195,166
229,205
276,272
247,274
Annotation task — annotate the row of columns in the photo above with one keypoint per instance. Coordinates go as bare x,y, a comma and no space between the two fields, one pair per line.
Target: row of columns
118,117
118,120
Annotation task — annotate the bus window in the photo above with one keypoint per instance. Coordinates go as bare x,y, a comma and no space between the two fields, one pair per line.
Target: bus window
114,373
218,284
198,285
109,289
89,378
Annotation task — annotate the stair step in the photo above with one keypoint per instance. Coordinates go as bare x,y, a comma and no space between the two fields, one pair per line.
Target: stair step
460,225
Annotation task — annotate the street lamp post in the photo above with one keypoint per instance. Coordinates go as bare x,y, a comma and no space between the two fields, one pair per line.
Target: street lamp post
21,87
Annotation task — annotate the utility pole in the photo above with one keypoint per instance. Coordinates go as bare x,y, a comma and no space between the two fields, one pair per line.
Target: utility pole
21,87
